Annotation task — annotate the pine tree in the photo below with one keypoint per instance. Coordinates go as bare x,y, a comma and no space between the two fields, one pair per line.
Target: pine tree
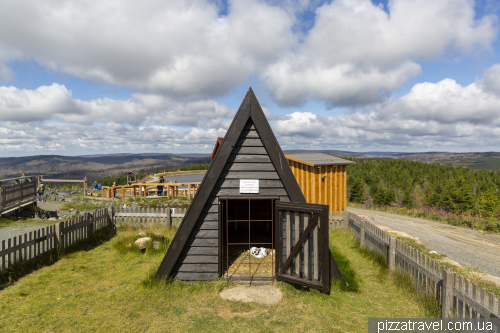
407,200
458,197
357,191
489,204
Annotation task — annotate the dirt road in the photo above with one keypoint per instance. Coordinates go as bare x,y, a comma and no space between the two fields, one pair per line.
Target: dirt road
465,246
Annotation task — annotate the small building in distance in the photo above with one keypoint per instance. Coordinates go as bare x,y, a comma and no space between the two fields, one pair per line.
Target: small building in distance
322,179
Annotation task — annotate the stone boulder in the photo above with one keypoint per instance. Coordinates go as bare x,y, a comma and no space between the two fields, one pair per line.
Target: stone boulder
141,243
258,294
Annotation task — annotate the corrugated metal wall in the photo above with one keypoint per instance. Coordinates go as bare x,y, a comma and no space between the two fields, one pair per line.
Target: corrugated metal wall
324,185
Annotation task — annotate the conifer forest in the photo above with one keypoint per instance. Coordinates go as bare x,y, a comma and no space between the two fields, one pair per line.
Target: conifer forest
429,188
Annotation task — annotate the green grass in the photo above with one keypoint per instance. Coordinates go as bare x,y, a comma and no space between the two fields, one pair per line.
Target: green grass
9,277
87,205
159,202
110,288
421,247
9,222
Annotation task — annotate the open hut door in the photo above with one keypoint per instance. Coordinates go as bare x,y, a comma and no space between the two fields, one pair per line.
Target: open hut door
302,252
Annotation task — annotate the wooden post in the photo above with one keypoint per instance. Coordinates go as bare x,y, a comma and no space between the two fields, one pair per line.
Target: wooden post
345,219
91,225
362,234
84,185
111,218
169,217
1,196
448,292
60,236
392,254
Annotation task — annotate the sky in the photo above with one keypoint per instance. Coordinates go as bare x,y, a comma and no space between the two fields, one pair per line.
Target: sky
96,77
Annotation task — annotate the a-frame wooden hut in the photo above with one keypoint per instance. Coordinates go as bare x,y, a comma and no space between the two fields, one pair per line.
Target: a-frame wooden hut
249,196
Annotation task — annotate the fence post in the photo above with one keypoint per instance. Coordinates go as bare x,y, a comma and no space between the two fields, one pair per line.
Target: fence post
111,218
169,217
362,233
392,254
60,236
345,218
91,225
447,294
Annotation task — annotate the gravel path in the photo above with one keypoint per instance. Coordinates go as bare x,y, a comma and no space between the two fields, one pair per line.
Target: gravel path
465,246
9,232
49,206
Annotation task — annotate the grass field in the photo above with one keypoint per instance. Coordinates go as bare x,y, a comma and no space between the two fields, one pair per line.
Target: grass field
110,287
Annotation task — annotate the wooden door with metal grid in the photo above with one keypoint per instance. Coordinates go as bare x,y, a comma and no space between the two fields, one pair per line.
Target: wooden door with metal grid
302,252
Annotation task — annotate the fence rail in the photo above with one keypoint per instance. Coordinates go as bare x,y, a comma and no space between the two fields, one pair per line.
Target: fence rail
168,216
83,181
458,297
53,238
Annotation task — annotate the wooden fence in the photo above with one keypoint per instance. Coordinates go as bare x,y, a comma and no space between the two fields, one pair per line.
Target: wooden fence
147,189
54,238
83,181
15,195
171,217
458,297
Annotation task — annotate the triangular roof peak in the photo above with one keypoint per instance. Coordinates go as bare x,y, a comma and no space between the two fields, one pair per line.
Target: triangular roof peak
249,109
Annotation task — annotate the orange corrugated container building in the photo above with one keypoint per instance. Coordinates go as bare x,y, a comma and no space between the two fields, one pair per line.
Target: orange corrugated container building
322,179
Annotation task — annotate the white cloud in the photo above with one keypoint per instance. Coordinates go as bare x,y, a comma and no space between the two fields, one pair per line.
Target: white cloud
448,102
491,80
111,137
357,52
443,114
35,105
180,48
55,103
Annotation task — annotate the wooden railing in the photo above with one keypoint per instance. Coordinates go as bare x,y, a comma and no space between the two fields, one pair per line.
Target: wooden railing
145,189
83,181
54,238
458,297
16,194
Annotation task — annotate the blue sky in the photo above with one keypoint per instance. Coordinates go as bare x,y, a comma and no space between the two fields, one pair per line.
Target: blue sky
89,77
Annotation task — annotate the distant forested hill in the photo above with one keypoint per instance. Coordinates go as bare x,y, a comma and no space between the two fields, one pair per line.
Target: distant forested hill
487,160
415,185
95,166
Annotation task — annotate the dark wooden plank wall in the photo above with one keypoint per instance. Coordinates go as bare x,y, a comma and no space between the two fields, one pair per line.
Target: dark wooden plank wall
249,160
306,264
